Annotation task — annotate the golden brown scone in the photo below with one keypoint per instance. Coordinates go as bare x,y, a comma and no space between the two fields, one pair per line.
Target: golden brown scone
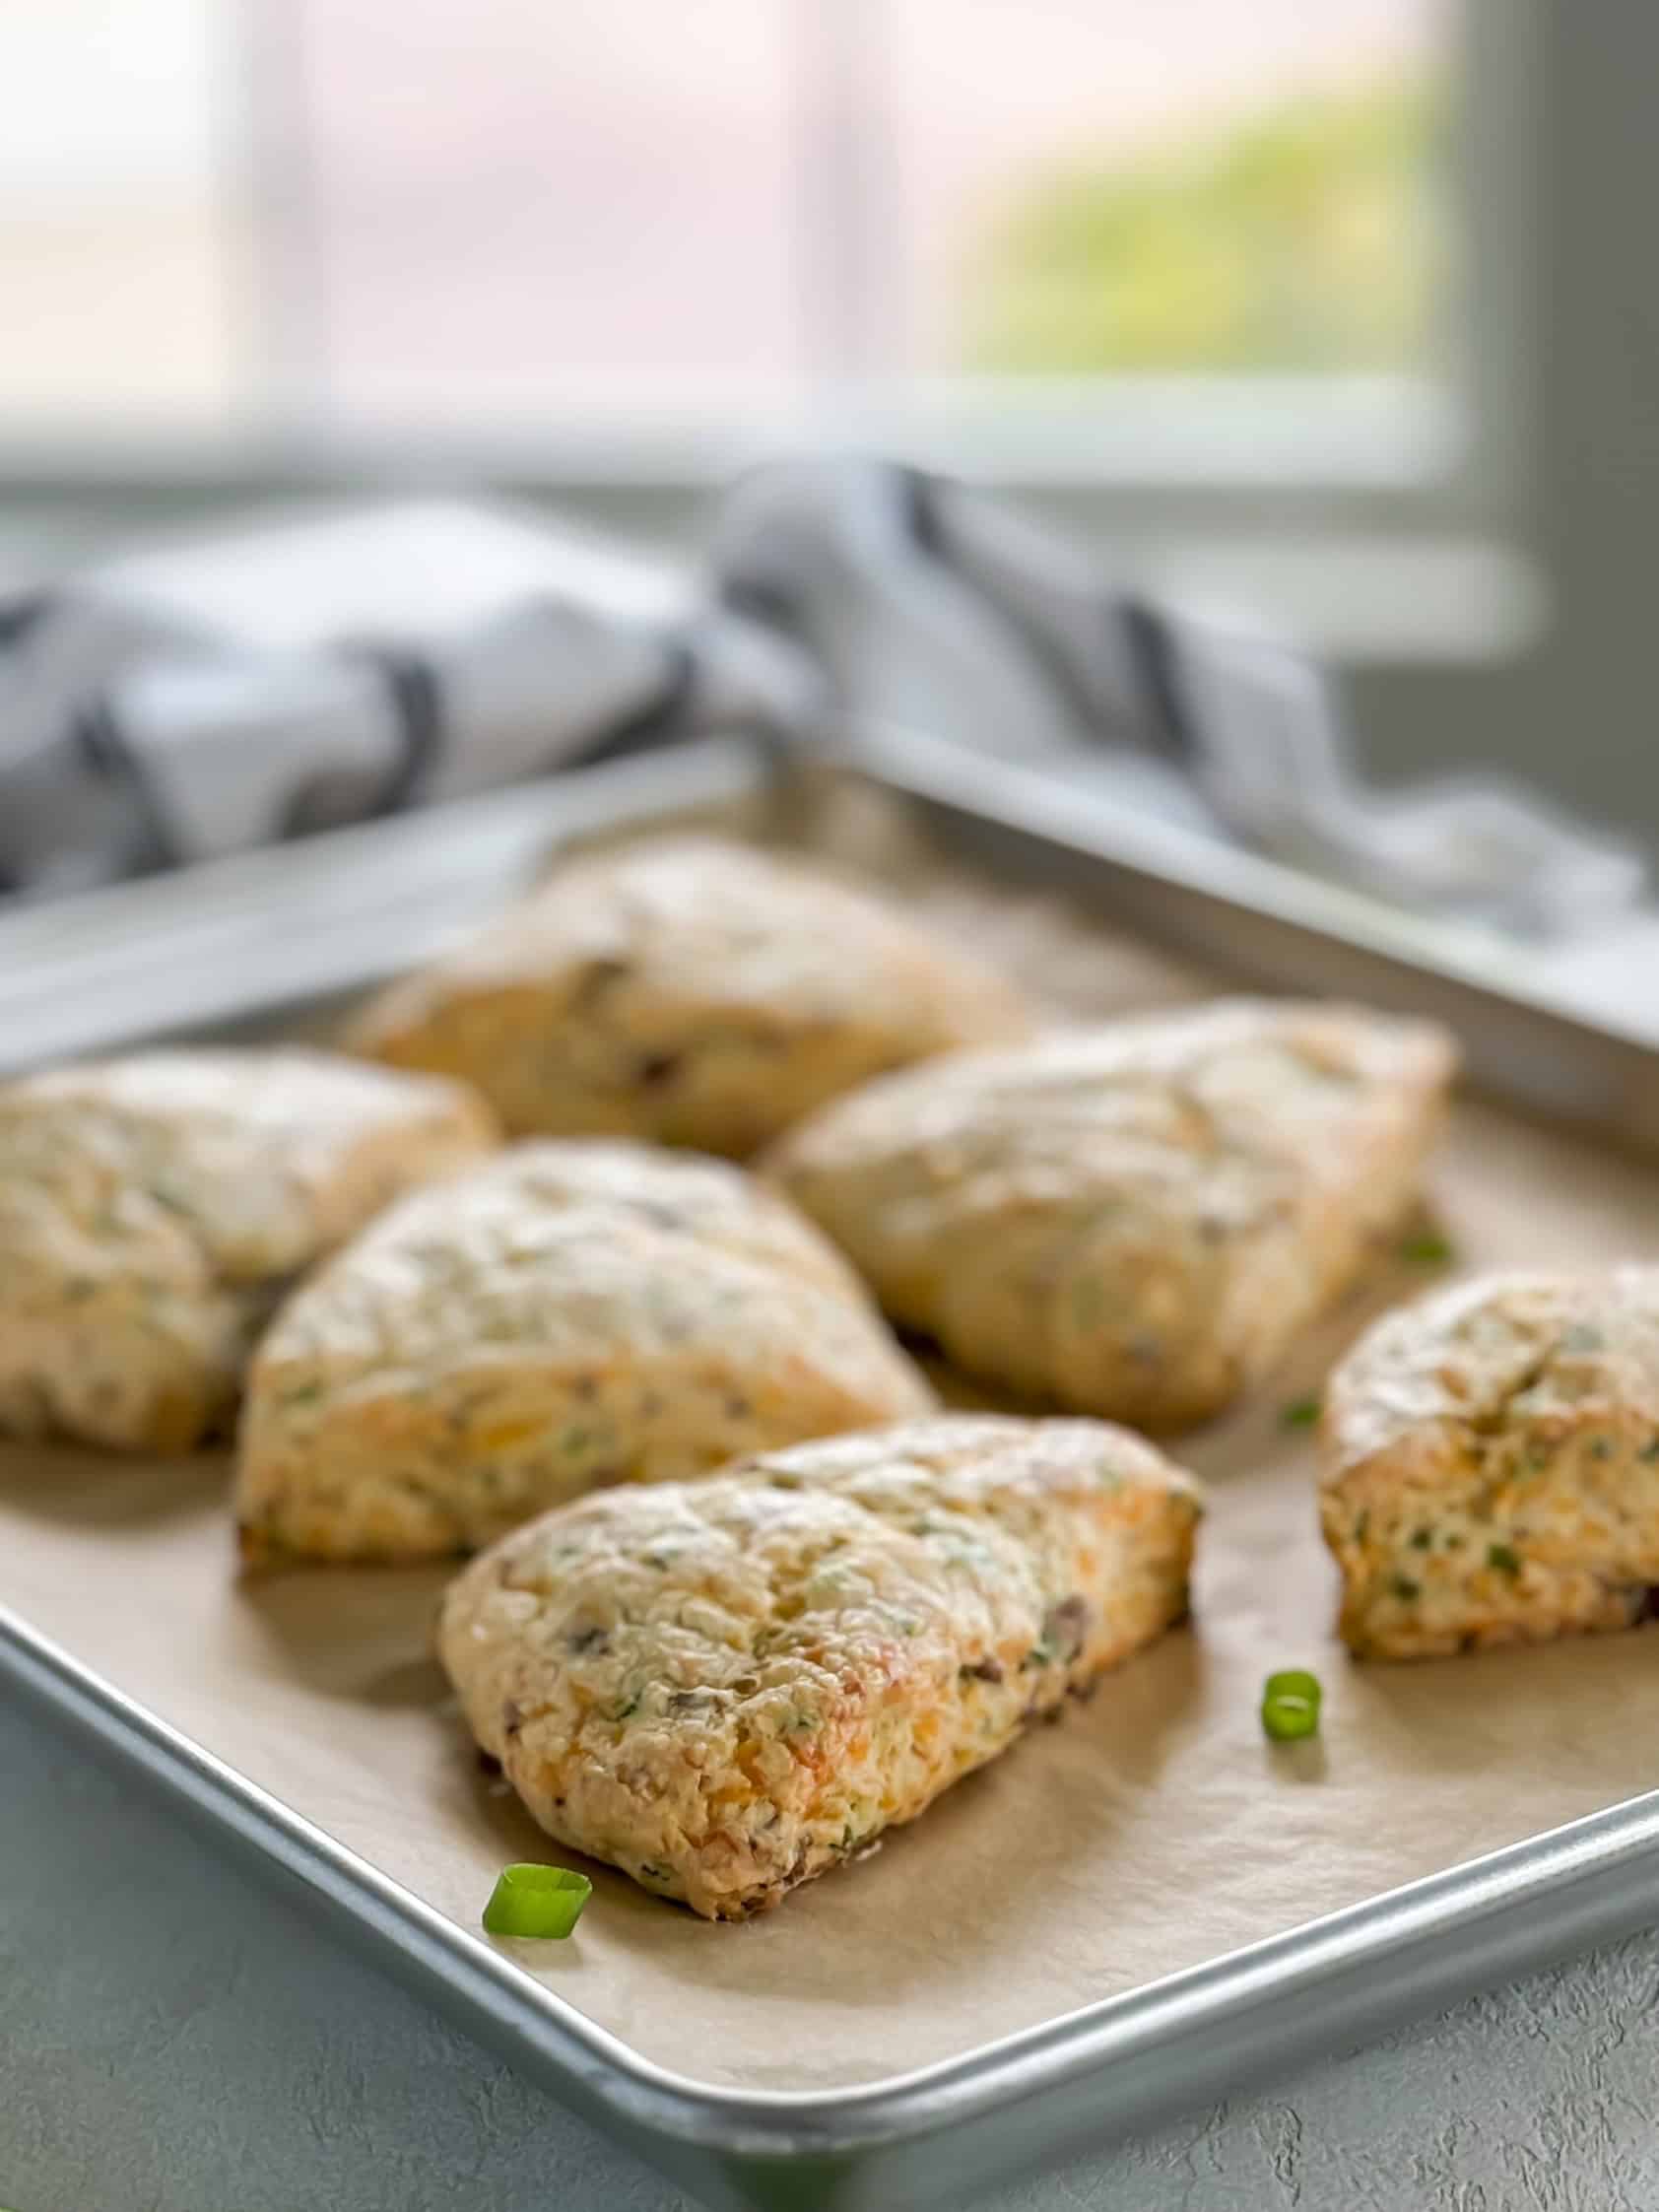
726,1687
571,1314
687,992
153,1210
1491,1464
1136,1219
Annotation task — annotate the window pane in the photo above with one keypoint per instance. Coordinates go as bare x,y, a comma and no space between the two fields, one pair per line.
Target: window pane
1089,187
488,210
518,202
119,251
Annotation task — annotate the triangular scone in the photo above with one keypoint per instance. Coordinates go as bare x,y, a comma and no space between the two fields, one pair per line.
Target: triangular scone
727,1687
153,1210
1137,1219
689,992
571,1315
1491,1464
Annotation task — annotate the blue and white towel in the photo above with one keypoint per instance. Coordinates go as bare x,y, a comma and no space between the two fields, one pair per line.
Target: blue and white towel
195,700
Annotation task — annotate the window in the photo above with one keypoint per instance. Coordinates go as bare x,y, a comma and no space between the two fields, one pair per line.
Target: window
637,214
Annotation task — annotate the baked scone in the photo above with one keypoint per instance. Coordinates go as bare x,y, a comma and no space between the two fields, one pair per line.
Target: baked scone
1491,1464
687,991
568,1315
154,1209
1135,1219
726,1687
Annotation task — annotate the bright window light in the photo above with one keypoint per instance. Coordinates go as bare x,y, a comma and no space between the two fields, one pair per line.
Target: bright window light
456,213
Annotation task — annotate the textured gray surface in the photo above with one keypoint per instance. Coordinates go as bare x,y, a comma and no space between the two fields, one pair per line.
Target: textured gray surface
173,2038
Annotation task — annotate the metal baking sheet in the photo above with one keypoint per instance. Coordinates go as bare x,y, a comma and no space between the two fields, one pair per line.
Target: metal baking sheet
1266,924
1018,2098
246,938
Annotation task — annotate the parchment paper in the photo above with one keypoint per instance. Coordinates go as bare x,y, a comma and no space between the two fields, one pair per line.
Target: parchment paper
1152,1830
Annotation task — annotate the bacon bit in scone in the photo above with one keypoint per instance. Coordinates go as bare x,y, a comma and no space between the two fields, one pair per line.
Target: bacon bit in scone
1066,1625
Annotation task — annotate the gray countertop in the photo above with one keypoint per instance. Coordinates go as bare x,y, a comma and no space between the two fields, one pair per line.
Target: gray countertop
176,2038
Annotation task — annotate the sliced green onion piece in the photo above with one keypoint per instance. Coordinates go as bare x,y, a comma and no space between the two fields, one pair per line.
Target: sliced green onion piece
1290,1705
530,1899
1427,1248
1301,1413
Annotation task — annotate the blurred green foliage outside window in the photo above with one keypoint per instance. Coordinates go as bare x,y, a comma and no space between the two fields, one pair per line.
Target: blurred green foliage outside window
1309,239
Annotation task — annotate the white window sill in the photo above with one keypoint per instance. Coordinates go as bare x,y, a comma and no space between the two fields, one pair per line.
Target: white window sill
1341,512
1211,435
1353,598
